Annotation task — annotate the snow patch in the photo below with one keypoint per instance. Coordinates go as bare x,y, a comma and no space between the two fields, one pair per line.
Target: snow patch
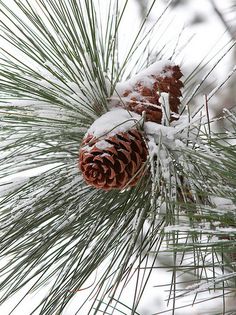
165,107
103,144
113,122
155,69
145,77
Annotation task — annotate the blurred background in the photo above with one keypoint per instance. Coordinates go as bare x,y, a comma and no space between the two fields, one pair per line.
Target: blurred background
199,32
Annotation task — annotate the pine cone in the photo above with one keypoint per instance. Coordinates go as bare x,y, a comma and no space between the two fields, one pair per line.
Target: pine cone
146,98
113,162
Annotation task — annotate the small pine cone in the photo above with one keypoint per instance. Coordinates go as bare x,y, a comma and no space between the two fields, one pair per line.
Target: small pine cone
170,83
115,162
144,98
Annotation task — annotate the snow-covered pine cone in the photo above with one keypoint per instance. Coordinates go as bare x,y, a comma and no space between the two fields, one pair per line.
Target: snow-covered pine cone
143,92
171,84
113,161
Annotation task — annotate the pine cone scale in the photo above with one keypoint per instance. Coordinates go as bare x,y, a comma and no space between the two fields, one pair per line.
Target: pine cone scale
109,159
121,166
124,155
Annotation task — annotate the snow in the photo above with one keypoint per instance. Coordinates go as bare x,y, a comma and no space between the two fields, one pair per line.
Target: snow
146,77
113,122
205,285
165,106
171,136
154,69
120,120
152,146
103,144
223,203
11,186
186,228
165,161
157,129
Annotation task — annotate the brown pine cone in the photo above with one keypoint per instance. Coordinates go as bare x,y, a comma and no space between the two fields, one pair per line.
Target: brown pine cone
144,98
113,162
